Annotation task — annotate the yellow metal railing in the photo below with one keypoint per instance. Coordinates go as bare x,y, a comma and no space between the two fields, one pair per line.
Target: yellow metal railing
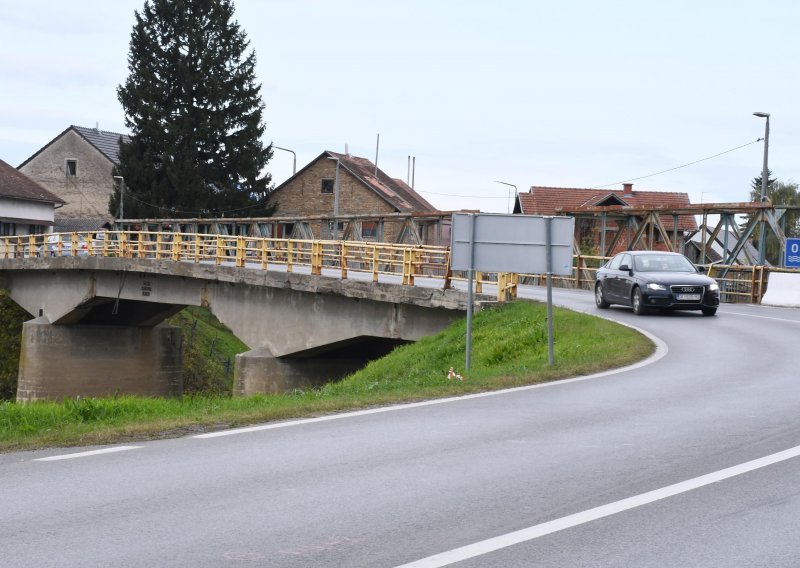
408,262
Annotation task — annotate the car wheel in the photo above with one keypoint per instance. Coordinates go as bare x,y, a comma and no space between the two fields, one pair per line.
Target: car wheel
709,311
599,299
637,302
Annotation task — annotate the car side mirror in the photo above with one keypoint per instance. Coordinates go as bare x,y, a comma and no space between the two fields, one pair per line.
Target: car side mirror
625,268
701,268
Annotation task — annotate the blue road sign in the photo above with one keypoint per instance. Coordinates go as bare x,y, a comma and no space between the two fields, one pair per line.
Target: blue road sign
792,253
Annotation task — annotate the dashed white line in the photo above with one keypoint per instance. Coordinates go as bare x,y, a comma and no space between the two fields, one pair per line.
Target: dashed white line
89,453
536,531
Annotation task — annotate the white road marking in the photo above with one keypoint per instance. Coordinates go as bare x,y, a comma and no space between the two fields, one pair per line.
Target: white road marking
536,531
661,351
89,453
761,317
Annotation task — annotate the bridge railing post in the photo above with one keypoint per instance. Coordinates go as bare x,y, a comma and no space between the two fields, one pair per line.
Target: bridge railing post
220,250
316,257
343,259
289,246
408,267
177,245
240,248
264,253
375,260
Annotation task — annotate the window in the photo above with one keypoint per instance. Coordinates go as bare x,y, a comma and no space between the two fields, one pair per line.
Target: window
327,186
369,230
36,229
8,229
72,168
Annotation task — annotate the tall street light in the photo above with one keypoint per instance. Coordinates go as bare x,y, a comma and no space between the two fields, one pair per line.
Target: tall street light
294,158
121,181
764,176
509,192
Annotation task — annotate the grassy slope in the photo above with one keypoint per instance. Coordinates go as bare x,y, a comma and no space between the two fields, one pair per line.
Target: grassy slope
509,349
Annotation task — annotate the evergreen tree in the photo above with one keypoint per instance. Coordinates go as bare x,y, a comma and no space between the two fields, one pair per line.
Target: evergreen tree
193,108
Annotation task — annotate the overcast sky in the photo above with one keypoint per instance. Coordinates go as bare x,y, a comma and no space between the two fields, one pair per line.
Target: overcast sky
567,94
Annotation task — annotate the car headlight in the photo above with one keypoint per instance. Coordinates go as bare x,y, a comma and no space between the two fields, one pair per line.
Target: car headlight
713,287
654,286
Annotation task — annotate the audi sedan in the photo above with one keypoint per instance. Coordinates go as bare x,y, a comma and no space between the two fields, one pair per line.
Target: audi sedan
648,279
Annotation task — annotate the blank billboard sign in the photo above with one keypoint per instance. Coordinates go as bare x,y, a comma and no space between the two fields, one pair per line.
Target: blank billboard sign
511,243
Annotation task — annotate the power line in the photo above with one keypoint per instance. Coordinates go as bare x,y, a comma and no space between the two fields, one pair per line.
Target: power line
617,182
679,167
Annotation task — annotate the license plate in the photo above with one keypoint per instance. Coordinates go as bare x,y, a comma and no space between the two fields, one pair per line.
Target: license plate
688,297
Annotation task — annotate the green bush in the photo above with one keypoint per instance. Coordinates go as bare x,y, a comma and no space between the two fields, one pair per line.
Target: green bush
11,319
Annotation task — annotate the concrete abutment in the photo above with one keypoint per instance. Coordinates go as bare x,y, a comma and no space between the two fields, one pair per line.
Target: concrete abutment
58,361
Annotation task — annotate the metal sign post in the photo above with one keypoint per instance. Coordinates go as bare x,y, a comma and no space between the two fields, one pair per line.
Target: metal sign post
470,277
549,248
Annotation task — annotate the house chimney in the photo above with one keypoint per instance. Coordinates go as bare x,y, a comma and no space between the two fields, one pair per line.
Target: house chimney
627,190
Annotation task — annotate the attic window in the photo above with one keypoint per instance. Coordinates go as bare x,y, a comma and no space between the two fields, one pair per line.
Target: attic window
72,168
327,186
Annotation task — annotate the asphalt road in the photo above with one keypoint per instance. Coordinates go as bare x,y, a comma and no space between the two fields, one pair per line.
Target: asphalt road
687,461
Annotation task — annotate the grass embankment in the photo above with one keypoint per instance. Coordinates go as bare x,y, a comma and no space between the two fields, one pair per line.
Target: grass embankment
509,349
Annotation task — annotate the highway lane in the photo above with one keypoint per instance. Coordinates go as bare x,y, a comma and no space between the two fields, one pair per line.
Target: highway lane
396,487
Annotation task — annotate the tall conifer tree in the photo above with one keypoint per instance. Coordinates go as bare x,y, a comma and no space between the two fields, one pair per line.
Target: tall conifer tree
194,111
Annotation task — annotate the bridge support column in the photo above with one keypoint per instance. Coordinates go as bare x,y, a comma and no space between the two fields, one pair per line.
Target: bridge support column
58,361
259,372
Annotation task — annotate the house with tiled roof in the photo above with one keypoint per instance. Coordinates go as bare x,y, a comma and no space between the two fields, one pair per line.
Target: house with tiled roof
77,166
615,219
26,208
363,190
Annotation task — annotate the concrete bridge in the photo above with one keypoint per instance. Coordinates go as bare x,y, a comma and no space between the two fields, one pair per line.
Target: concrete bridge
99,314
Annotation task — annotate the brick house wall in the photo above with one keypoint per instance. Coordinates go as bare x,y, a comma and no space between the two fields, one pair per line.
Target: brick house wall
303,196
87,192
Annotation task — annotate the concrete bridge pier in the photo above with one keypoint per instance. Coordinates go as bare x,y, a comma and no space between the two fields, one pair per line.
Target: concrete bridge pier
260,372
58,361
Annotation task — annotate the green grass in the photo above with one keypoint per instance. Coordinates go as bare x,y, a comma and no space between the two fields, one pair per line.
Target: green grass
509,349
209,349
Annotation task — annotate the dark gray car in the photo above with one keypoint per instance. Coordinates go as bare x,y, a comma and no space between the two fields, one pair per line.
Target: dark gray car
651,279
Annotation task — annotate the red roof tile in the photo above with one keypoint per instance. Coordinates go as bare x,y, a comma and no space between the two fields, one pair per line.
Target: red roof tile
556,200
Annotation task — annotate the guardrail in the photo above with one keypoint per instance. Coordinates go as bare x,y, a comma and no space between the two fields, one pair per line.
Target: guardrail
737,283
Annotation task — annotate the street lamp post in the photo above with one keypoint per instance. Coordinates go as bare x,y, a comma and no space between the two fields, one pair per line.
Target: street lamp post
294,158
121,200
764,177
509,192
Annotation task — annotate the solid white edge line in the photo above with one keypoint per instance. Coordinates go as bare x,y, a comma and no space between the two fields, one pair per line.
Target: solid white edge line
536,531
661,351
89,453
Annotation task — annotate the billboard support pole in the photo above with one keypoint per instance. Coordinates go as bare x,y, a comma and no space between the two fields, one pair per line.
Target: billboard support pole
470,275
548,221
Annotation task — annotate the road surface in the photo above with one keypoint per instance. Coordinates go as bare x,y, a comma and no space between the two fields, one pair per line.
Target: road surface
690,460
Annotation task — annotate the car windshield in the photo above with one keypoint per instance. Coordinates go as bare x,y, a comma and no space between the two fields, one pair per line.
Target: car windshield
662,263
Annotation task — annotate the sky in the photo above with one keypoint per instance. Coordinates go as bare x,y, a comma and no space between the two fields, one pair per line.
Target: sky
531,93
